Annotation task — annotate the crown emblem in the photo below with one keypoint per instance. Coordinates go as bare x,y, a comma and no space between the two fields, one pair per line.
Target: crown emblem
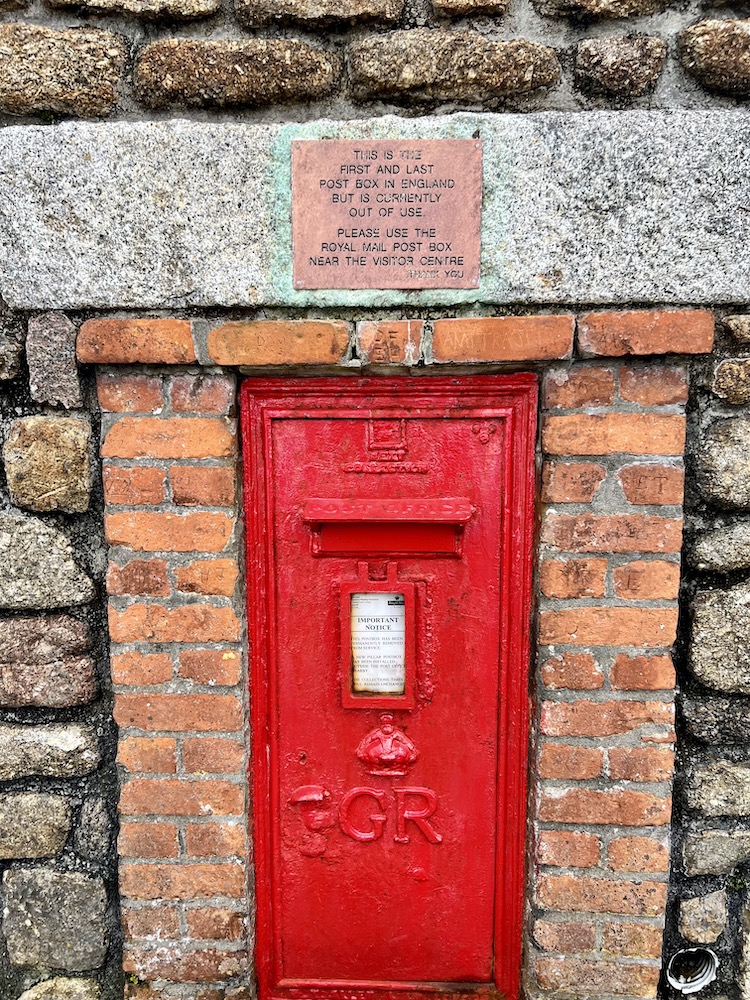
387,750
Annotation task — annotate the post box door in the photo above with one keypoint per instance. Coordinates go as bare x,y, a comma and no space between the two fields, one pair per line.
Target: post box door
389,540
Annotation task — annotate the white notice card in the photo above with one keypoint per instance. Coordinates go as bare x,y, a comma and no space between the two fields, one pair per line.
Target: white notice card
378,627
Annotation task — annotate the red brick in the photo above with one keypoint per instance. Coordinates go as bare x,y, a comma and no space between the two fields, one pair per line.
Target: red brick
170,437
601,895
211,666
568,850
139,576
571,482
192,966
389,341
161,923
613,434
646,627
203,394
279,342
642,673
604,808
595,978
215,756
569,936
144,754
577,671
658,386
648,580
220,840
133,341
134,487
653,484
612,533
573,577
215,924
208,576
148,840
179,712
641,764
185,881
129,393
603,718
152,532
632,940
638,854
192,623
662,331
561,760
141,668
578,387
176,797
503,338
197,487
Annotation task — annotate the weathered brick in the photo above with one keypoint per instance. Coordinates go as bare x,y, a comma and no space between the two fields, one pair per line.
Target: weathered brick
638,854
194,966
148,754
573,577
431,64
614,433
152,532
129,393
135,341
279,342
603,718
203,394
647,580
175,797
563,761
663,331
657,484
171,437
147,840
502,338
133,487
566,849
578,387
632,940
613,533
139,577
186,881
161,923
213,756
654,386
570,937
179,712
211,666
571,482
215,924
603,626
141,668
208,576
216,840
70,72
389,342
570,975
192,623
192,486
640,764
642,673
578,671
605,808
601,895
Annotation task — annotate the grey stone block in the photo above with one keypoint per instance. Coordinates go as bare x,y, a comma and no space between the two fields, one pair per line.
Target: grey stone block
186,10
51,355
11,346
47,464
41,639
715,852
721,788
718,720
717,52
93,835
719,639
625,66
265,11
38,566
54,750
731,381
33,825
723,462
722,549
739,327
703,918
61,988
54,919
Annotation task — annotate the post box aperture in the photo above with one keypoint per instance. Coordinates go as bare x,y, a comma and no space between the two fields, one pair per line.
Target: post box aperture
389,540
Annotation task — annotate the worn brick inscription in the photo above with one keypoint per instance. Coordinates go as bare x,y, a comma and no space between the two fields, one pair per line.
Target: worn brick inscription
400,213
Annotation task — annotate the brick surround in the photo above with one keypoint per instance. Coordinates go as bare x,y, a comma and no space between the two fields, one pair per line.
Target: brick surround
612,438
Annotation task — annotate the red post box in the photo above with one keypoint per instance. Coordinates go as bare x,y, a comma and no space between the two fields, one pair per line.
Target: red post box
390,526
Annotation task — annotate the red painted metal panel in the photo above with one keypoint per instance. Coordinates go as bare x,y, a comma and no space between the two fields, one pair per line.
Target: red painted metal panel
389,838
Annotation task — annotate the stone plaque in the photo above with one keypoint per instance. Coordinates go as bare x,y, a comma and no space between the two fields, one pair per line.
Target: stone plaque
386,213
